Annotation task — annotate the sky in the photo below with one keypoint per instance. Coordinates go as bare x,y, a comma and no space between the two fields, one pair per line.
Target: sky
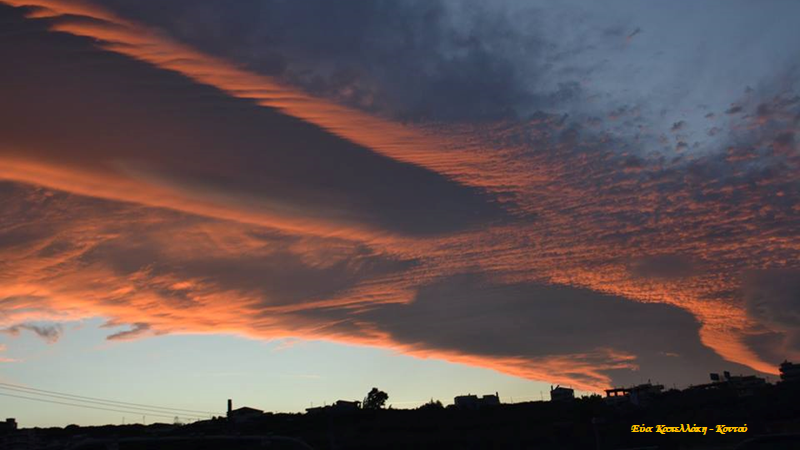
290,202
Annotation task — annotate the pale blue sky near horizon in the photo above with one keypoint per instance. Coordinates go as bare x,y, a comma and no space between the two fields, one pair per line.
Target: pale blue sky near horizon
202,371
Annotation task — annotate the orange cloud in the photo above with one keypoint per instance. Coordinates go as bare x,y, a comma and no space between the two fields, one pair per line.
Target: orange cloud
583,216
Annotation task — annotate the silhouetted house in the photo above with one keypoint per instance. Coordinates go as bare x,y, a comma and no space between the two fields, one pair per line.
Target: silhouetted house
8,435
242,414
10,425
743,386
790,372
470,401
561,394
638,395
746,385
346,406
466,401
341,406
490,400
12,438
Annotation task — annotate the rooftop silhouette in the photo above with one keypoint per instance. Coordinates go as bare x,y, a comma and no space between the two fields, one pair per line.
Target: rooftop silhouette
769,411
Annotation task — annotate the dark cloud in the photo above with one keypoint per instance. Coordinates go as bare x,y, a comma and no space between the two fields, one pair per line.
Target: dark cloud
677,126
471,315
734,109
22,223
634,33
663,266
784,143
769,345
272,273
50,333
146,245
136,331
603,195
412,60
11,237
197,138
772,297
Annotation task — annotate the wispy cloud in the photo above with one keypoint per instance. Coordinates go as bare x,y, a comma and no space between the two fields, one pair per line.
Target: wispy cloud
577,248
50,333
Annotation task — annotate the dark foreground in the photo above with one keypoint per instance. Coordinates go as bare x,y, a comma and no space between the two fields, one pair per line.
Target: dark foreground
771,416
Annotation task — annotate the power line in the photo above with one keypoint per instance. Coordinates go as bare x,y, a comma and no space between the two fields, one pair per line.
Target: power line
103,403
113,402
86,406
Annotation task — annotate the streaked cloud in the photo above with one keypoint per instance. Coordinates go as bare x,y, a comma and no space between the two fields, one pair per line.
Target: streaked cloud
49,333
566,232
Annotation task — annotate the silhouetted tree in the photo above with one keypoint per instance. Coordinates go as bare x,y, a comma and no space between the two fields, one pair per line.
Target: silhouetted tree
432,405
375,399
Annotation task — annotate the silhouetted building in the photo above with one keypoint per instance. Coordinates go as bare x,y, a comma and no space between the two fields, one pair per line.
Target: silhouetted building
11,438
242,414
466,401
8,426
790,372
346,406
747,385
638,395
471,401
561,394
743,385
341,406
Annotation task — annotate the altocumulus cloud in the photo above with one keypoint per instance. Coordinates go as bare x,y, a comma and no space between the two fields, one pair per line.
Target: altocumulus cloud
546,229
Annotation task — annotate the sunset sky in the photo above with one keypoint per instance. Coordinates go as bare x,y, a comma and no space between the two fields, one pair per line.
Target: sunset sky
290,202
